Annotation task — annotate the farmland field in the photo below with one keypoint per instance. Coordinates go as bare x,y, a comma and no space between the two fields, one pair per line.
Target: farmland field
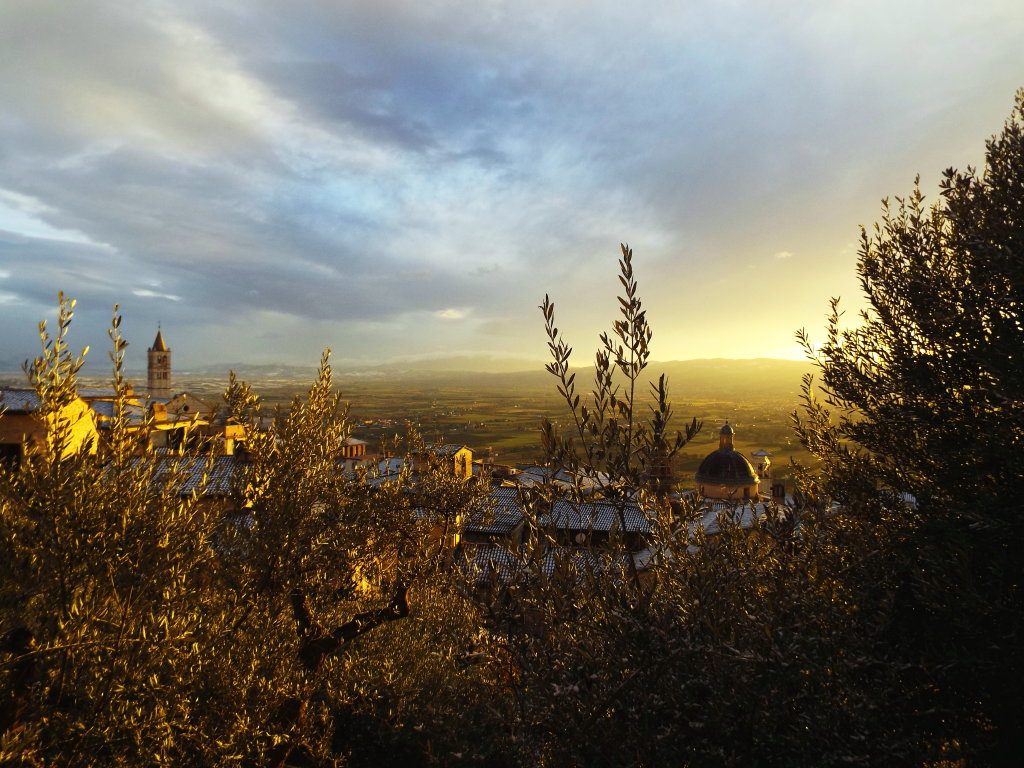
501,413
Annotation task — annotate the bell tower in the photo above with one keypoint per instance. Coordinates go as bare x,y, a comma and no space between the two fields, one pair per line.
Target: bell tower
158,376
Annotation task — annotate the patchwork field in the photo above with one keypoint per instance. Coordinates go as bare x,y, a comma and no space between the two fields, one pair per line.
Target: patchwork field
501,413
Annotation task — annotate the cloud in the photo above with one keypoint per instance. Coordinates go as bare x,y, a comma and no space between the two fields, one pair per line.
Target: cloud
148,294
340,170
27,216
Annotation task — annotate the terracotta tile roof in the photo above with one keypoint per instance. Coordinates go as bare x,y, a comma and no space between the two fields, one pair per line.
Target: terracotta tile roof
448,449
190,473
599,516
19,400
105,410
498,514
742,514
487,561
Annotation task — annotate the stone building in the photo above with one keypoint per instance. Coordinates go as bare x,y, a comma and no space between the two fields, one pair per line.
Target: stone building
24,427
158,370
457,457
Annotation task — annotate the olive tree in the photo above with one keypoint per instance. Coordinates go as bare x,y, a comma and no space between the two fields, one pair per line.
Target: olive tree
146,621
920,430
737,647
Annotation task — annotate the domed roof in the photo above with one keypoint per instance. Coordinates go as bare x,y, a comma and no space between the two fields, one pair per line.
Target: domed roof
725,466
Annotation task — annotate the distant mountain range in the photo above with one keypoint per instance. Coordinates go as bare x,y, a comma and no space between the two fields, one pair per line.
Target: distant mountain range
734,379
723,378
710,379
442,365
688,379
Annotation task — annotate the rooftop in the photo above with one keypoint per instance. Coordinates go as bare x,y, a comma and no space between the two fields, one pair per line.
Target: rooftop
498,514
19,400
159,345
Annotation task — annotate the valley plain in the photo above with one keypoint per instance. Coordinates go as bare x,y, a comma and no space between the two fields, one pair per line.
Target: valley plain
501,413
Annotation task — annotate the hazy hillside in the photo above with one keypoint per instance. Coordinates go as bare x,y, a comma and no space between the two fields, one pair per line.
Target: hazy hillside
719,378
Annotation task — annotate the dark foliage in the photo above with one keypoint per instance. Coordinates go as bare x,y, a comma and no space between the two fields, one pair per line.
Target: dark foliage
928,391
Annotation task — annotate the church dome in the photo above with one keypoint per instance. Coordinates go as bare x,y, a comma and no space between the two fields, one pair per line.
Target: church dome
725,466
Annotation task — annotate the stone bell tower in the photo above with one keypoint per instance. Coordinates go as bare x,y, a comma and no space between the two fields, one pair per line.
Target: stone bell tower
158,376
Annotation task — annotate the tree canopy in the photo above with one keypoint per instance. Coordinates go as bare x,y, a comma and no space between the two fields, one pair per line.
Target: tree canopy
925,396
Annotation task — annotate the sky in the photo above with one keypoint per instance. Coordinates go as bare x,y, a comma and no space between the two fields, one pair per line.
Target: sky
407,180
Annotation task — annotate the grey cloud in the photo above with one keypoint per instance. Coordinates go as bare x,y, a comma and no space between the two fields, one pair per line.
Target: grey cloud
335,96
370,162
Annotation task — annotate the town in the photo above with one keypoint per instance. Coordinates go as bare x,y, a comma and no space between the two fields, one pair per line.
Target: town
487,541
